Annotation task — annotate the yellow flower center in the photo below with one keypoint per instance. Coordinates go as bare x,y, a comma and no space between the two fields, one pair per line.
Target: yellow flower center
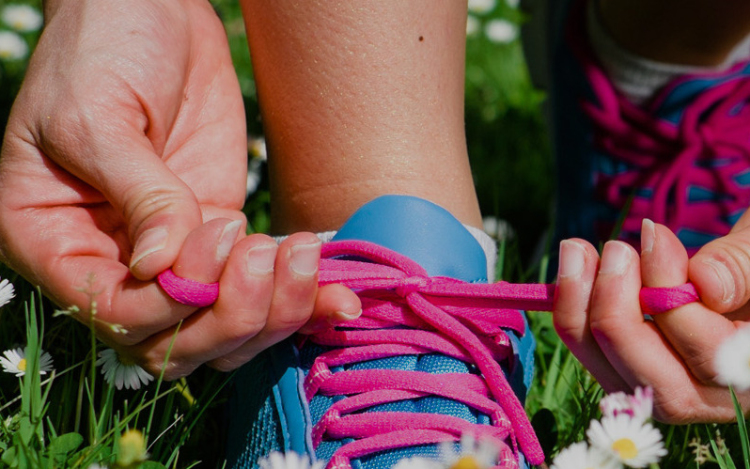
126,361
625,448
466,462
131,449
22,365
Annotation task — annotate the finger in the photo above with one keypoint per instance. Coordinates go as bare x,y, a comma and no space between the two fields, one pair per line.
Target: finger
578,265
693,330
636,348
294,292
720,270
335,305
240,313
207,249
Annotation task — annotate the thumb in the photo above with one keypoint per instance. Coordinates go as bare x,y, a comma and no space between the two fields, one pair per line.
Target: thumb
160,211
720,270
157,207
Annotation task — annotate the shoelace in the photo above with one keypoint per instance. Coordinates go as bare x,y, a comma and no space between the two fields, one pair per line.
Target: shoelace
707,150
406,312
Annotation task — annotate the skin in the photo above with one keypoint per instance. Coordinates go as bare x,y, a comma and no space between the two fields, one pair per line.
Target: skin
598,316
103,155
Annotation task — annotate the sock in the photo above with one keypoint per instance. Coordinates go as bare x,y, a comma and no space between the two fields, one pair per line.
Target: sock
639,78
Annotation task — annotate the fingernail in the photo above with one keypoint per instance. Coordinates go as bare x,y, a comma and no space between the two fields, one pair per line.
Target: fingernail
227,240
305,259
615,258
648,235
725,277
151,241
572,259
261,259
341,317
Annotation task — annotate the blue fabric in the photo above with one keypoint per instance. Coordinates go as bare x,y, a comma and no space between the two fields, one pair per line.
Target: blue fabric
434,238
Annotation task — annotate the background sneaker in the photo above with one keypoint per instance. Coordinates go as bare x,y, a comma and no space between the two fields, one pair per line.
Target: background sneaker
681,159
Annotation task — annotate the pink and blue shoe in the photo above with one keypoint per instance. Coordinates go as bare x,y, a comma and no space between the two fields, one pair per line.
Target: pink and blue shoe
436,354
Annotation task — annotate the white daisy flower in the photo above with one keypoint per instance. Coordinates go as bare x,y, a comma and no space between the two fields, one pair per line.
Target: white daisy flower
732,360
633,443
639,406
7,292
22,18
12,46
481,7
14,361
119,371
513,3
480,454
501,31
417,462
472,25
581,456
498,228
256,147
290,460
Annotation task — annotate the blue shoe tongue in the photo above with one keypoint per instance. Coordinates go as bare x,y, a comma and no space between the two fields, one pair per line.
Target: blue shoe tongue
424,232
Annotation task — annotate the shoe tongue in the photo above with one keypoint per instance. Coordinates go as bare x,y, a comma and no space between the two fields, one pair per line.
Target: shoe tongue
424,232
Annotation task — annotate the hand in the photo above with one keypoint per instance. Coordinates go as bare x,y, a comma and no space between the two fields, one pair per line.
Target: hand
127,135
598,316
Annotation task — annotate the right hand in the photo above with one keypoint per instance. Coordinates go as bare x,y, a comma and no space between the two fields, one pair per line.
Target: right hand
127,135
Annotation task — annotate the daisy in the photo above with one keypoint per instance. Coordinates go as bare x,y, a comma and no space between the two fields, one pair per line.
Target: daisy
639,406
12,46
119,371
131,449
22,18
472,25
15,362
7,292
580,456
481,7
290,460
472,454
633,443
732,360
501,31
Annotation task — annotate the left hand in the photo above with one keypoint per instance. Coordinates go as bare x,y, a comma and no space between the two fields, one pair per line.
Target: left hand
598,316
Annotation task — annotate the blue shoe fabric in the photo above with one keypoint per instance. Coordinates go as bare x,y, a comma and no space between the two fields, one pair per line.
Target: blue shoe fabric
268,409
581,211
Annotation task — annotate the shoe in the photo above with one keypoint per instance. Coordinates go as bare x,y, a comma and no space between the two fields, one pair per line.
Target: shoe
436,354
681,159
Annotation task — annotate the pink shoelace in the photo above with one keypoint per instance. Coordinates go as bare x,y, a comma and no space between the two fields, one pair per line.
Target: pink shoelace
406,312
706,150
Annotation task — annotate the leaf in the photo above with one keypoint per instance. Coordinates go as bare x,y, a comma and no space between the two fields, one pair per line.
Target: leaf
65,444
9,457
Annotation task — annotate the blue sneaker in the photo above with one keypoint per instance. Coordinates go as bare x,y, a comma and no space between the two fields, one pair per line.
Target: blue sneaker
418,368
681,159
